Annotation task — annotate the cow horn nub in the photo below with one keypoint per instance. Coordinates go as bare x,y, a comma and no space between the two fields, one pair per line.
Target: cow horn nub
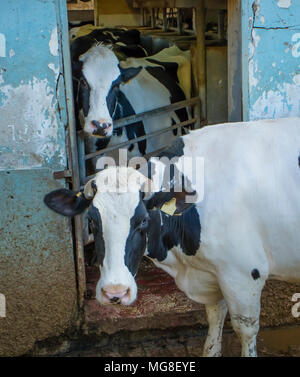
90,189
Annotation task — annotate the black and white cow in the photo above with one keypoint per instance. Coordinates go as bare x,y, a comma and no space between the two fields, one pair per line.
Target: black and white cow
126,43
224,247
110,89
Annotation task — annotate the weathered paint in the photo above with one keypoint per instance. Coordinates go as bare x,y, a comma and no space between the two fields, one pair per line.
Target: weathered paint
270,59
2,46
35,138
37,274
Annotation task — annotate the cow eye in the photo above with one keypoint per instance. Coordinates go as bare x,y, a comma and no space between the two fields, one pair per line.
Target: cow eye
92,224
144,223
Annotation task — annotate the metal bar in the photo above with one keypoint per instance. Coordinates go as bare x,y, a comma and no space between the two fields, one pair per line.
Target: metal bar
136,140
165,20
179,21
172,28
148,114
146,156
143,17
81,159
79,251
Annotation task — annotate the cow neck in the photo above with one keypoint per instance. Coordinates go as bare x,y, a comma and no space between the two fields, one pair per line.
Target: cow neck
166,232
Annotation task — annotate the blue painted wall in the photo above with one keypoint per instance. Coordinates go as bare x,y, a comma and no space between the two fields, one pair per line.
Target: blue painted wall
30,74
37,273
271,58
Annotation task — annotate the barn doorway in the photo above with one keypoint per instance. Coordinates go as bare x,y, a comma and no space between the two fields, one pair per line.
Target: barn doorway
202,30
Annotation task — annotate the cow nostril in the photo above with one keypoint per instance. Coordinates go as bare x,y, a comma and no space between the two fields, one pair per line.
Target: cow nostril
106,125
115,299
96,123
115,295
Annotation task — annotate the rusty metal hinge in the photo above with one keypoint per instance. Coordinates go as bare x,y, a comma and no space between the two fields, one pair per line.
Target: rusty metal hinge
62,174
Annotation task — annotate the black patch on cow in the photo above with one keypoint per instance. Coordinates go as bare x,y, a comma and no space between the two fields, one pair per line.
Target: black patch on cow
119,107
95,224
170,67
81,91
84,96
176,93
136,240
255,273
102,143
107,36
127,74
299,160
165,232
174,150
131,50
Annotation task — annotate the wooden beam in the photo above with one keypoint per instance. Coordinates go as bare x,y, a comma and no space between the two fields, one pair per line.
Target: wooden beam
201,58
234,61
153,18
79,5
209,4
96,12
221,25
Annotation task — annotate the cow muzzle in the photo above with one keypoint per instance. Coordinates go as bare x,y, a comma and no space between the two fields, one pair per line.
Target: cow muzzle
101,129
119,294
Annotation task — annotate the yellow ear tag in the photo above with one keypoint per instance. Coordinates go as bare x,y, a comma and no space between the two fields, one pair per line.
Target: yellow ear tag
79,194
170,207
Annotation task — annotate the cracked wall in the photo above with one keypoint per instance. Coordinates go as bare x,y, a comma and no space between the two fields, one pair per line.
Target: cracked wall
271,59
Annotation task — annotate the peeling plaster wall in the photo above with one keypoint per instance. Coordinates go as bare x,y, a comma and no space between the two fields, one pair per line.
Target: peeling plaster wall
31,135
271,58
37,275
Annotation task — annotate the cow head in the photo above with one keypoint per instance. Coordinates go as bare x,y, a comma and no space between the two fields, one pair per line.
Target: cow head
119,202
98,68
96,73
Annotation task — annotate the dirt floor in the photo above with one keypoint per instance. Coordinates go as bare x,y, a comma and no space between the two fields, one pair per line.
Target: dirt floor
179,342
164,322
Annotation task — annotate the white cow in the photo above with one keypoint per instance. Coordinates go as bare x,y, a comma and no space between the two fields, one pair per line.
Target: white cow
223,248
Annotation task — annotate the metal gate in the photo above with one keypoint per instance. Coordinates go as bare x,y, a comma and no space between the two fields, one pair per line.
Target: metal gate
79,176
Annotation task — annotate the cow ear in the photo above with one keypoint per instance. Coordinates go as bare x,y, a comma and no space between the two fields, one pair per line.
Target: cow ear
129,73
66,202
172,203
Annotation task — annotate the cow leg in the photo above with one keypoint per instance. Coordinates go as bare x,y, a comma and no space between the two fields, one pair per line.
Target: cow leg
215,316
243,300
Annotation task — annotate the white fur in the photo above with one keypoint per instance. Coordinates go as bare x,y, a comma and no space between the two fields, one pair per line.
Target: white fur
116,208
100,68
249,220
